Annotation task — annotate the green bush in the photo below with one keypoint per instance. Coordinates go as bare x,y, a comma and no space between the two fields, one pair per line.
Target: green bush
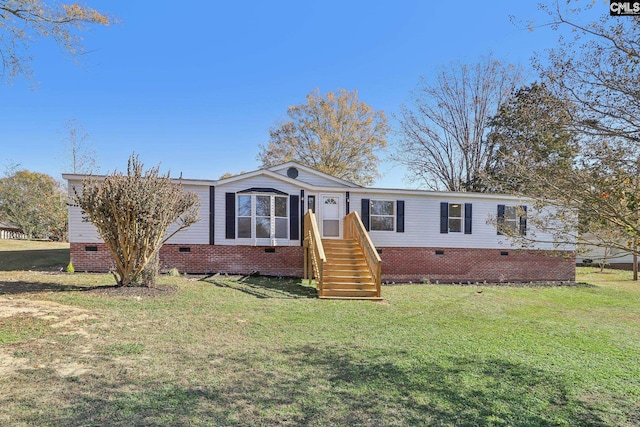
70,268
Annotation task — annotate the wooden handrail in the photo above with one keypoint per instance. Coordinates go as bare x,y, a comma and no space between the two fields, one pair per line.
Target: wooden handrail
314,256
354,229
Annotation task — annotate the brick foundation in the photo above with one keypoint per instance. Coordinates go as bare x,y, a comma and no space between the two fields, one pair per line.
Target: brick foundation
398,264
285,261
475,265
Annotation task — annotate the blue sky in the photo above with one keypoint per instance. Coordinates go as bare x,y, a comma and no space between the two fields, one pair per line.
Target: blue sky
195,86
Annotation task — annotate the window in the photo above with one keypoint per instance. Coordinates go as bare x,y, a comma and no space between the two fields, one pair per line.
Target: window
262,216
311,203
382,215
244,216
512,220
455,218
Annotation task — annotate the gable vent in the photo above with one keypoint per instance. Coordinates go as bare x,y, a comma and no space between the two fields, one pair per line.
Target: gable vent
292,173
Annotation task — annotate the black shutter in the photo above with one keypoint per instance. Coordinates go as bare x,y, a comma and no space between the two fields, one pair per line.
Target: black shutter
347,203
301,219
523,220
230,215
467,218
444,217
500,222
365,213
212,216
294,218
400,216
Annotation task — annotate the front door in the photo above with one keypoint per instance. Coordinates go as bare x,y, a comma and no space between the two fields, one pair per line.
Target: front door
331,208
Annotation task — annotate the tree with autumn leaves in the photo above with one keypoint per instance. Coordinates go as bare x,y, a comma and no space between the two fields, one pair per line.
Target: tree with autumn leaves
36,203
336,134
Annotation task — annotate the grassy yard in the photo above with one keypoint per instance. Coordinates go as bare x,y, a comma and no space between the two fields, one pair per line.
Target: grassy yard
18,255
258,351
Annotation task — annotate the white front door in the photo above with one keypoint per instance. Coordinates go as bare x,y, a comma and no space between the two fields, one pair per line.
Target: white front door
331,218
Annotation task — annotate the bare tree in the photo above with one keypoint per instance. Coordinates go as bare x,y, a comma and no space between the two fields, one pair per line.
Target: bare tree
79,153
133,213
444,144
337,134
22,21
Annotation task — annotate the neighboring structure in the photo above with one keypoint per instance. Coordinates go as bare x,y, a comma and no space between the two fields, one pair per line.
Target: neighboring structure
8,230
253,222
610,257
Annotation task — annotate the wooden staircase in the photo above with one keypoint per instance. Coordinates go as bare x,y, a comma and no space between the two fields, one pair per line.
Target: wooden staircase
349,268
346,274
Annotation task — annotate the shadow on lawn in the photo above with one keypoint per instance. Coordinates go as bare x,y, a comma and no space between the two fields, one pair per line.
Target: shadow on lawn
38,259
336,386
264,287
23,287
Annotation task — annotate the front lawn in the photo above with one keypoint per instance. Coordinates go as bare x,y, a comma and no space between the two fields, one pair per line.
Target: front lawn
259,351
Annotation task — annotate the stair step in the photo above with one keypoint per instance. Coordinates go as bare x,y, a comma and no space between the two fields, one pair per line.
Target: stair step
351,291
345,265
347,293
351,278
356,286
328,275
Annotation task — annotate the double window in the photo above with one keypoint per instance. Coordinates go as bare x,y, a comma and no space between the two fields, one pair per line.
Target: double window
262,216
382,215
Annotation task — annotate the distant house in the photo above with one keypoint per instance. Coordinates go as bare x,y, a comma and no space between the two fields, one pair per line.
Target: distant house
610,257
9,230
255,222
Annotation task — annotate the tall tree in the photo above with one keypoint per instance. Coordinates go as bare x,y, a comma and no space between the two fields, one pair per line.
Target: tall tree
337,134
22,21
597,71
133,213
532,131
444,144
79,153
36,203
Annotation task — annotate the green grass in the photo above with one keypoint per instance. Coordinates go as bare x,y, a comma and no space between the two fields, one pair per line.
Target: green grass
18,255
261,351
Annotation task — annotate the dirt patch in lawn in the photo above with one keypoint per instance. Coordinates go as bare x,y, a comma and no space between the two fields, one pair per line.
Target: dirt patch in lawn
67,323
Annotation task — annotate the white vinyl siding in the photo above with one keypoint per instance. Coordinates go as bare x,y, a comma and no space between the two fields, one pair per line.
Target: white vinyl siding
198,233
422,222
312,179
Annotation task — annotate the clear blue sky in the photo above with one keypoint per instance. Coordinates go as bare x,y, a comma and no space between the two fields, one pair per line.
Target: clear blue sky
195,86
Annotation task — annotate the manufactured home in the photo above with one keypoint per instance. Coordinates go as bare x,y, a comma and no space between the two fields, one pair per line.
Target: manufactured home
291,220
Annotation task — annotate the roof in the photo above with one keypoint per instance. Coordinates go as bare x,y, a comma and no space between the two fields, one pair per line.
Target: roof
8,225
348,186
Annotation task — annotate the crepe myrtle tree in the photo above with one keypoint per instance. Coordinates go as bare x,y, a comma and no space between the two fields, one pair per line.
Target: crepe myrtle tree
133,213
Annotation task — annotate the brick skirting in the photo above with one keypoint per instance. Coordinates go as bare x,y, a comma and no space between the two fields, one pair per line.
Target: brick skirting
448,265
398,264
